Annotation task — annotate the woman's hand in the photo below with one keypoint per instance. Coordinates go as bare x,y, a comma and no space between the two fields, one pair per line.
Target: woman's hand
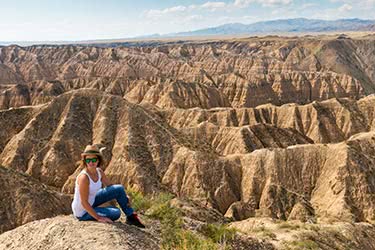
104,219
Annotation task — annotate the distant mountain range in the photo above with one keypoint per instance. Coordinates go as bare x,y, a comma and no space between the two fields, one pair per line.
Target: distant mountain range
297,25
279,26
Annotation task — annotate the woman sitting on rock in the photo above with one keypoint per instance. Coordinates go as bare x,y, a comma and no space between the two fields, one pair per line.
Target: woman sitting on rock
89,194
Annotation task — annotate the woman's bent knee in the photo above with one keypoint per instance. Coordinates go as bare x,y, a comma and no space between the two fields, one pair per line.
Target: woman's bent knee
115,214
119,188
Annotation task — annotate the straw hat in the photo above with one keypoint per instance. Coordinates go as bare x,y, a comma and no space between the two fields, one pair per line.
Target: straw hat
93,150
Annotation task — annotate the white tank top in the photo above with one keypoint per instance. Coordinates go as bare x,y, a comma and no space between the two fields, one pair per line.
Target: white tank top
94,187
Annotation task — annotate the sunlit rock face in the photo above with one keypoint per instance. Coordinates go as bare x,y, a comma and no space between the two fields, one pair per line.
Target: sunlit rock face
243,73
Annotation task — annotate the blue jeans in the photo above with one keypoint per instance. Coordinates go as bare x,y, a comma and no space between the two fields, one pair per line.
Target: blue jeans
106,194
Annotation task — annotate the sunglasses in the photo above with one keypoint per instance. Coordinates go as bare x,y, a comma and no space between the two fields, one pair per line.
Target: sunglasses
93,160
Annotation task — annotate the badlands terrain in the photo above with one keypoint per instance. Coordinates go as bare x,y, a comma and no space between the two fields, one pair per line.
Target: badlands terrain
272,136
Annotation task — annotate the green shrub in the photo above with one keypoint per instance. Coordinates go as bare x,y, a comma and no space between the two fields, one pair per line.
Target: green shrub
186,240
161,198
172,233
141,202
218,233
162,210
173,236
138,200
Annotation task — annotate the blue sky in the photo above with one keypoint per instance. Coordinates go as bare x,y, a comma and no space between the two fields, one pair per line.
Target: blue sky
54,20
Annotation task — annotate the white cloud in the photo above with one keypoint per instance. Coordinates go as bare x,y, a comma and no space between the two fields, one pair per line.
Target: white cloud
216,6
275,2
329,14
213,5
265,3
345,7
194,18
242,3
210,6
358,2
308,5
158,13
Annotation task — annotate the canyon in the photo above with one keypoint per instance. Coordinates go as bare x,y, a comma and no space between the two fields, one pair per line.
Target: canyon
255,130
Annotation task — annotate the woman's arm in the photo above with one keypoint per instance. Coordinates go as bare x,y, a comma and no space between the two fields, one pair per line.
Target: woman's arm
105,180
83,183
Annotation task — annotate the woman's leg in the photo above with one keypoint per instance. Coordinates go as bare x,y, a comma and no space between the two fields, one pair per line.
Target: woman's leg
110,212
114,192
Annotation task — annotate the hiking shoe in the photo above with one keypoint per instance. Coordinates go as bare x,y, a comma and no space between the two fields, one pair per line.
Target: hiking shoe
134,220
